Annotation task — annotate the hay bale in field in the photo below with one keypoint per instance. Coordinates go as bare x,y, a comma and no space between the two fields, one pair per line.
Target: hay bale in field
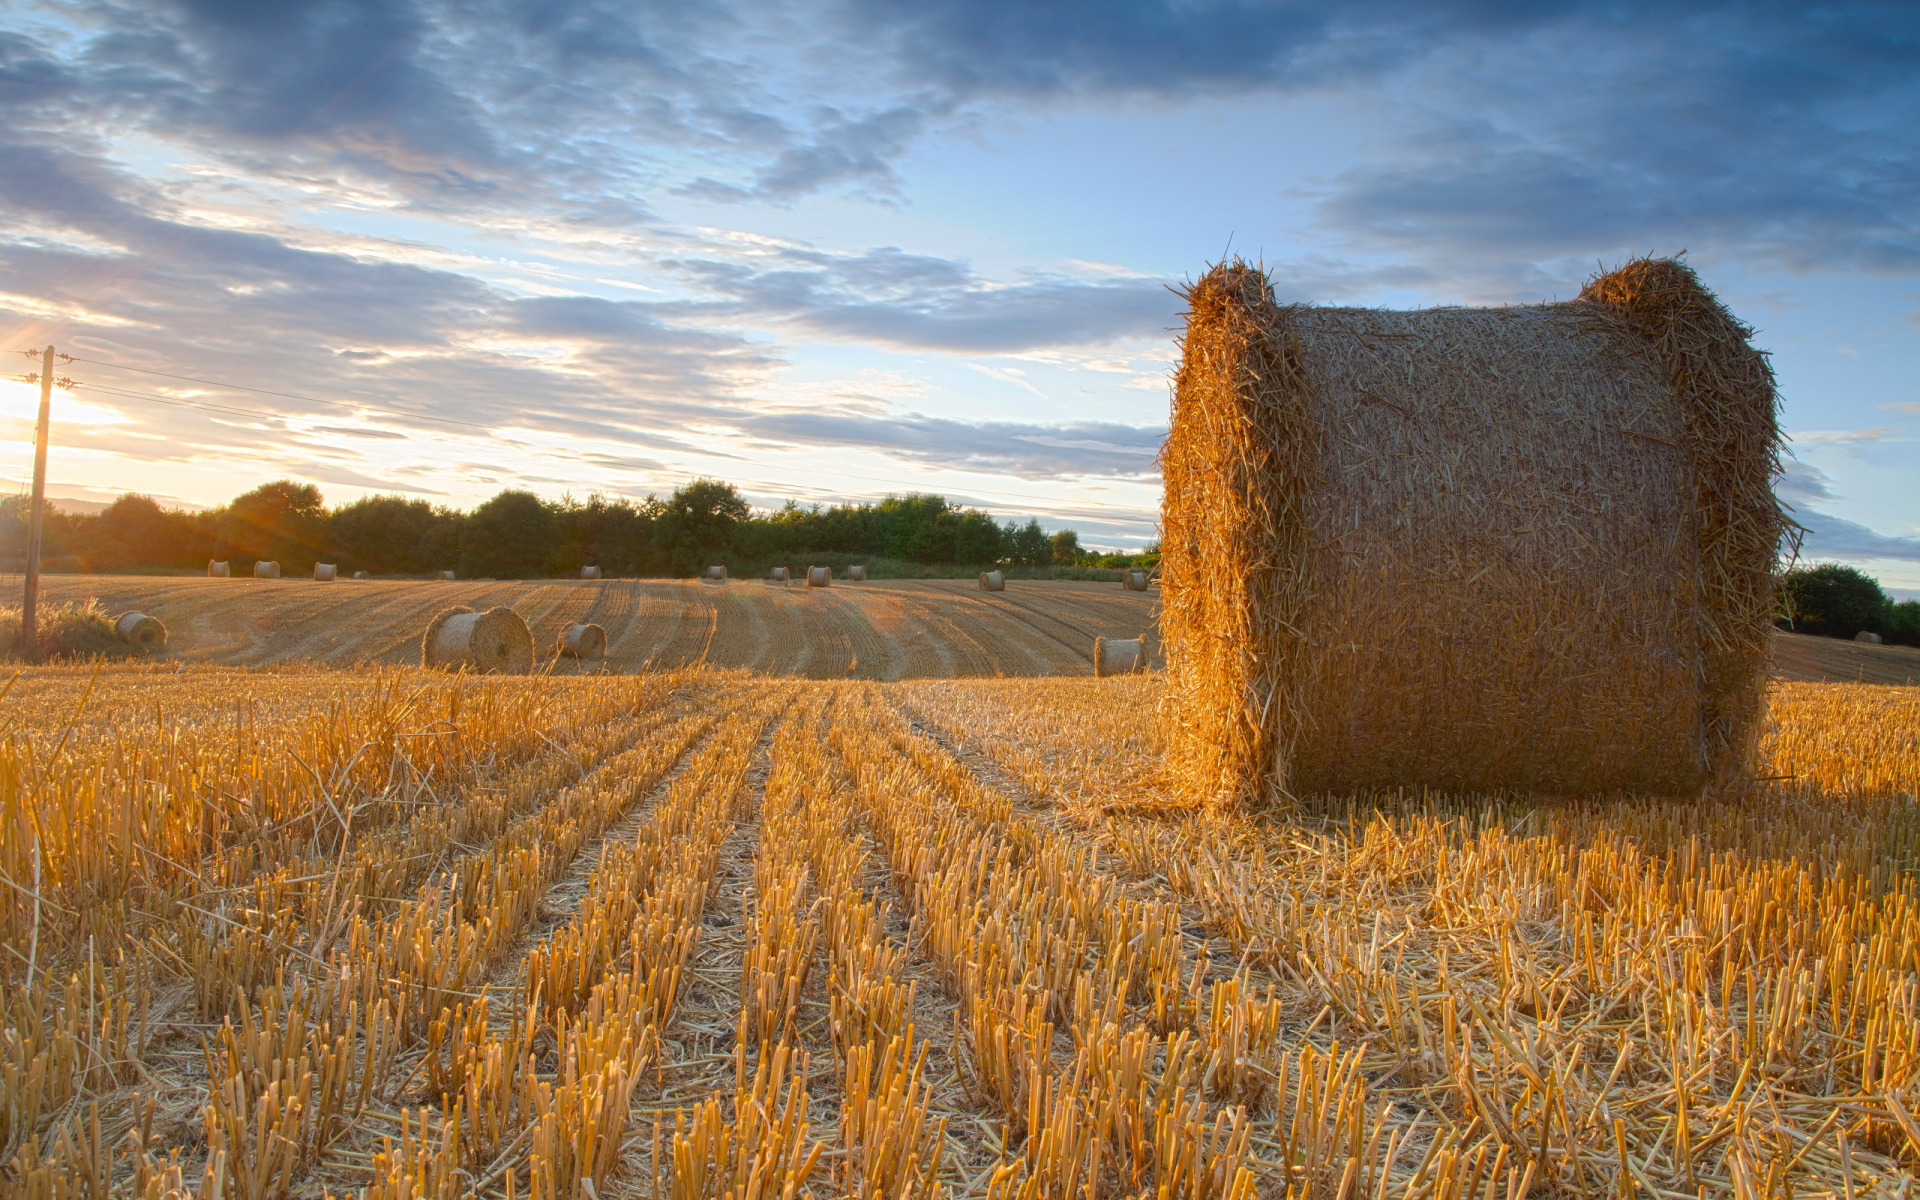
361,575
219,570
589,572
139,629
1525,547
1135,581
584,641
993,581
819,576
324,572
1119,656
717,573
780,574
1870,638
266,570
856,574
443,576
495,642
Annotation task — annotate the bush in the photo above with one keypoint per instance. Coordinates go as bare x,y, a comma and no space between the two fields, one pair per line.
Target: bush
1833,601
72,630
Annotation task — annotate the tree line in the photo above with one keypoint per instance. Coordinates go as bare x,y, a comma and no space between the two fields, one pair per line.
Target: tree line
1832,600
517,535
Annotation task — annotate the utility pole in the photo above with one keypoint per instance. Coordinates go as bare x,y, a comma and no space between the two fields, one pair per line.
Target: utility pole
29,608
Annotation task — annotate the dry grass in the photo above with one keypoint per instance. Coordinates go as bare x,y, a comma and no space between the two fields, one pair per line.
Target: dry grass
706,935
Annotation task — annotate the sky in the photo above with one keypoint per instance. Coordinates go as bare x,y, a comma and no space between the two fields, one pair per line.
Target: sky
833,250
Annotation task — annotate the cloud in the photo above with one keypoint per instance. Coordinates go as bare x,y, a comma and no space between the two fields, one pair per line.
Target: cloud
1846,437
891,298
1831,537
1032,451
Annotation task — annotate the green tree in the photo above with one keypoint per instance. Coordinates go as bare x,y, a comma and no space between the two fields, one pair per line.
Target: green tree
512,536
284,521
695,525
1066,547
1903,623
977,541
1028,546
1833,601
394,535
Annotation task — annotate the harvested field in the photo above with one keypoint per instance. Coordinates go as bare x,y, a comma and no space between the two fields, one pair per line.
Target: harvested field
898,629
310,932
1830,660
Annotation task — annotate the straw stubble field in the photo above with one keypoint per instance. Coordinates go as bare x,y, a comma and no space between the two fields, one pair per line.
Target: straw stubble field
703,934
889,629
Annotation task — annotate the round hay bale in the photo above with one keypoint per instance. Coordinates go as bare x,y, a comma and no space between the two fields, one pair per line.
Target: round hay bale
139,629
1136,581
993,581
1119,656
266,570
780,574
819,576
589,572
443,576
219,570
584,641
856,574
324,572
717,573
1867,636
495,642
1470,549
361,575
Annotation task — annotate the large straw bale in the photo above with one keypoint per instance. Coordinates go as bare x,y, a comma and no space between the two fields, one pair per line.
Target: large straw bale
584,641
1119,656
495,642
443,576
361,575
1135,581
324,572
717,573
217,569
856,574
819,576
139,629
1524,548
993,581
780,574
265,569
1868,636
589,572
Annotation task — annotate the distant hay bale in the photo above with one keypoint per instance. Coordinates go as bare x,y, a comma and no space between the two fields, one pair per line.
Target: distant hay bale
717,573
590,572
1470,549
361,575
1870,638
219,570
1136,581
584,641
495,642
856,574
780,574
443,576
1119,656
324,572
266,570
819,576
139,629
993,581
